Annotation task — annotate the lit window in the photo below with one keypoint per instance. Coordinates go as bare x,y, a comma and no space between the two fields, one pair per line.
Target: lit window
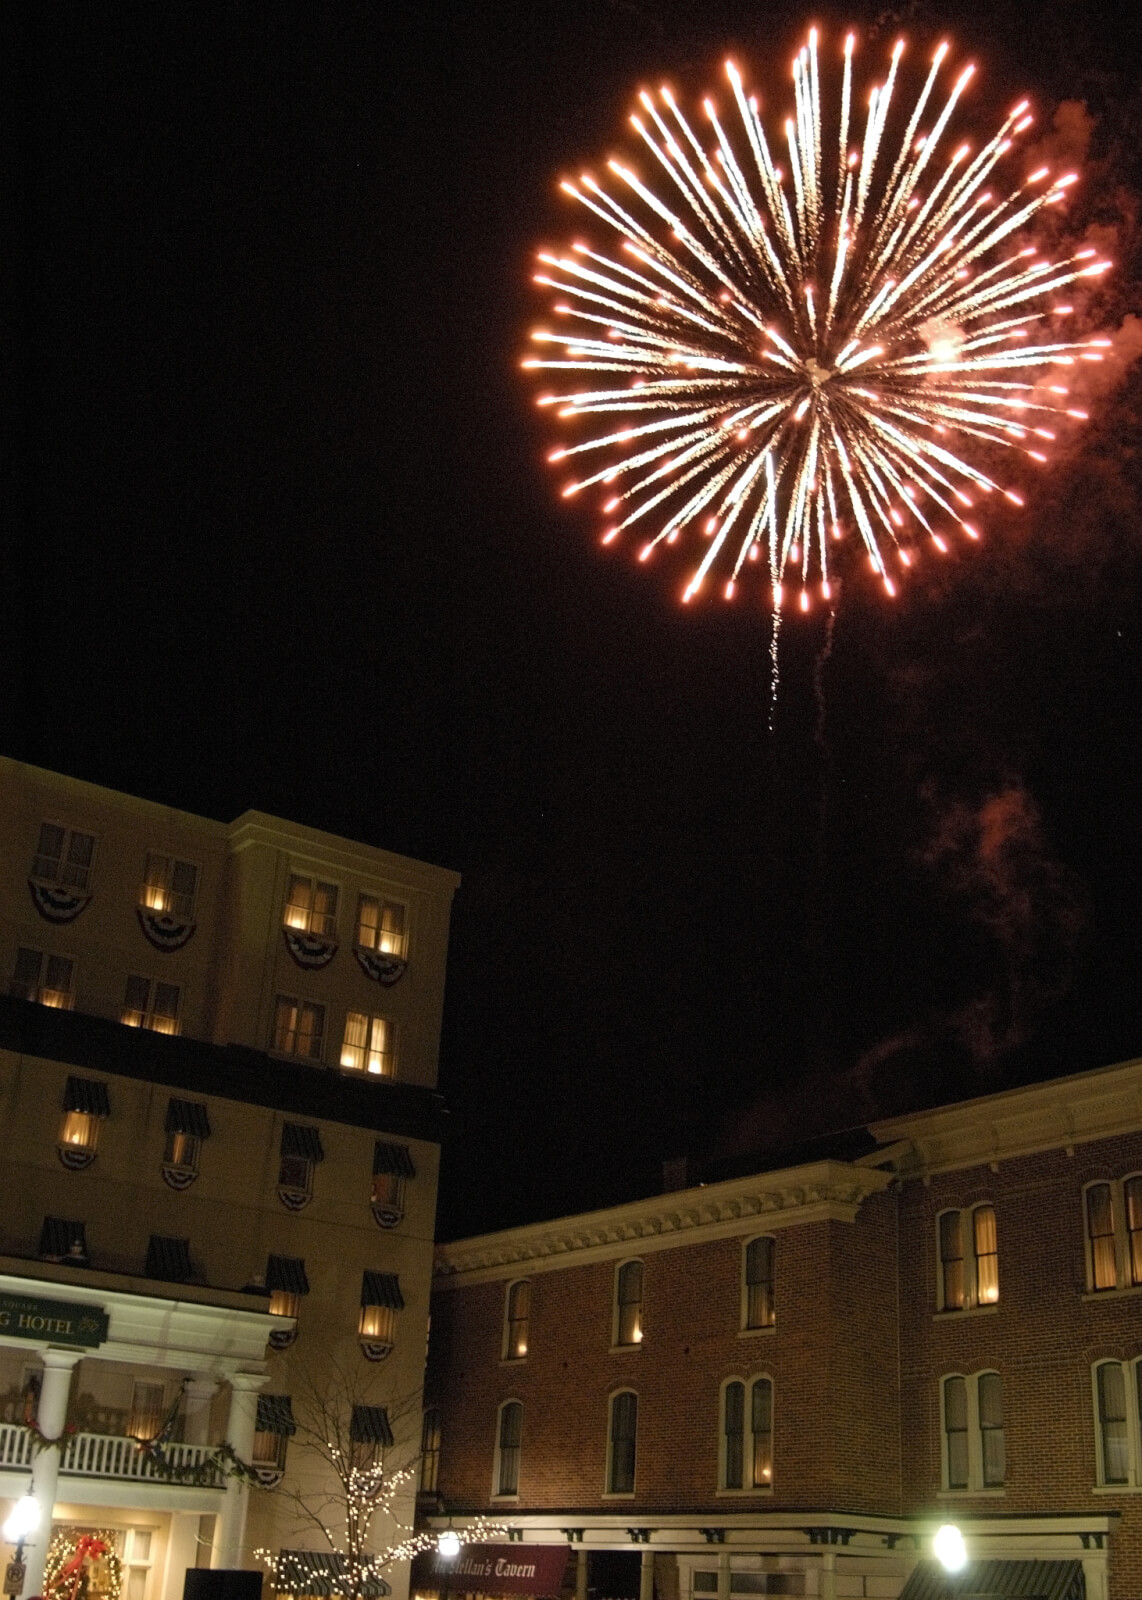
758,1265
381,925
968,1259
622,1442
299,1028
311,907
518,1312
169,886
273,1426
761,1415
47,979
79,1130
369,1044
1114,1233
628,1304
85,1104
150,1004
187,1124
509,1430
430,1451
392,1167
147,1411
287,1281
64,857
381,1299
975,1456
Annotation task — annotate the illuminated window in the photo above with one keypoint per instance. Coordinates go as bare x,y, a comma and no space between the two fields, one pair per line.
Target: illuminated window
148,1411
381,925
968,1259
509,1431
47,979
287,1281
1114,1233
369,1044
311,907
761,1423
392,1167
622,1442
974,1452
80,1130
430,1451
381,1299
150,1004
758,1276
169,886
186,1126
747,1435
272,1429
628,1304
299,1027
64,857
85,1104
517,1314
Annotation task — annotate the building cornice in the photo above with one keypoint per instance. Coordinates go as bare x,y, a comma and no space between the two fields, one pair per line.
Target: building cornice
1058,1115
259,827
824,1191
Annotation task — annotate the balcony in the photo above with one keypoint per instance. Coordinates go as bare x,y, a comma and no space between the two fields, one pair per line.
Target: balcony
101,1455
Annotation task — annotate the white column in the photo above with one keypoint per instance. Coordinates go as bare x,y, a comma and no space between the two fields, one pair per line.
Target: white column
646,1576
230,1528
182,1552
51,1416
580,1574
199,1393
828,1589
723,1574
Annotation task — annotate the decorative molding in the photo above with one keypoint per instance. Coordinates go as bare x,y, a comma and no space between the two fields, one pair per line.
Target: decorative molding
386,1216
375,1352
56,905
381,968
178,1178
282,1338
307,950
294,1199
75,1157
165,932
825,1191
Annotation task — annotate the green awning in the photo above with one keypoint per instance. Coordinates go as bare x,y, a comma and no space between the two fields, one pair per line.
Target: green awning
997,1580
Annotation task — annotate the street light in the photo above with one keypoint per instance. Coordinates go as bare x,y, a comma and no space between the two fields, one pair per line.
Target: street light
448,1544
949,1548
23,1519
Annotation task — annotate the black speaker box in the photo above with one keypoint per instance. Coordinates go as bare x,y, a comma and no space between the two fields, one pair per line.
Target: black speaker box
221,1583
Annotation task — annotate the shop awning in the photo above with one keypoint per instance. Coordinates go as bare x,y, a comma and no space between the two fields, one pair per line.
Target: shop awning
494,1569
997,1580
189,1117
87,1095
317,1572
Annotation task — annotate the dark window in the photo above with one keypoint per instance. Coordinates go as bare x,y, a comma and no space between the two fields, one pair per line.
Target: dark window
759,1309
956,1429
430,1451
991,1430
63,1241
624,1433
1100,1232
1112,1422
1132,1190
369,1425
733,1429
511,1429
168,1259
952,1260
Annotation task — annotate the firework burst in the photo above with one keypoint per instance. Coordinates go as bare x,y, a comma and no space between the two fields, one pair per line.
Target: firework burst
812,342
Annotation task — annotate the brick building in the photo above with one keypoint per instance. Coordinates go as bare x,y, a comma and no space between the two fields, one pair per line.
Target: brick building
782,1384
218,1048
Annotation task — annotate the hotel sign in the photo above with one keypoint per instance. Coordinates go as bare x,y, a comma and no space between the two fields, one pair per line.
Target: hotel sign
52,1321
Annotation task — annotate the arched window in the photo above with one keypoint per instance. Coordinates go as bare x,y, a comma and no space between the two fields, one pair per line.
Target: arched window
968,1255
974,1452
733,1434
746,1445
622,1442
1114,1233
761,1415
1112,1387
517,1313
509,1431
628,1304
758,1301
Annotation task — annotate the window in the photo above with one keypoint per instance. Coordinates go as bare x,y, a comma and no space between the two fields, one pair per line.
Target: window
148,1004
622,1442
169,886
1118,1415
969,1259
311,907
168,1259
47,979
758,1305
147,1411
369,1434
761,1415
628,1304
1114,1233
187,1124
430,1451
381,1299
63,1241
272,1429
747,1434
517,1311
975,1457
287,1281
301,1150
299,1027
381,926
392,1166
369,1044
509,1429
64,857
733,1435
85,1104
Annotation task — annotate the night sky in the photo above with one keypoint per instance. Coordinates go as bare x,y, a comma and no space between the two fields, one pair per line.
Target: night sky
281,535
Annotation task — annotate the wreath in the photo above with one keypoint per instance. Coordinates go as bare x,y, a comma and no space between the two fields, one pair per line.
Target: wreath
72,1557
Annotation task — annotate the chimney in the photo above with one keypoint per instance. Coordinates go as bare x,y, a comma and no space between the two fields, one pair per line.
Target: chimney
675,1174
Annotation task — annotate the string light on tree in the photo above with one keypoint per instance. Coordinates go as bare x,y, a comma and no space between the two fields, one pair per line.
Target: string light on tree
810,350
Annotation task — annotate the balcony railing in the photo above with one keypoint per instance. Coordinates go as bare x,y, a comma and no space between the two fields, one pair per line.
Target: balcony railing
101,1455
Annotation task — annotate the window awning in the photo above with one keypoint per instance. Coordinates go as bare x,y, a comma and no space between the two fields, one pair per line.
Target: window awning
392,1158
87,1095
370,1425
275,1415
189,1117
300,1140
381,1289
57,1238
319,1572
288,1273
168,1259
1003,1580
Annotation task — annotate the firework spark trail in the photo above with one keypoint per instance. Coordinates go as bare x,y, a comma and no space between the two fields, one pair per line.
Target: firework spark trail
791,360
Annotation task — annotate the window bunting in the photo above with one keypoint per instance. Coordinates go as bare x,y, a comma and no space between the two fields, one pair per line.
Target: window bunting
307,950
381,968
163,931
56,905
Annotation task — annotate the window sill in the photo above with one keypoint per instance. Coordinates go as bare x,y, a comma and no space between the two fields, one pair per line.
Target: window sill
622,1349
967,1311
504,1500
970,1494
765,1493
757,1333
513,1361
1113,1294
617,1494
1117,1488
